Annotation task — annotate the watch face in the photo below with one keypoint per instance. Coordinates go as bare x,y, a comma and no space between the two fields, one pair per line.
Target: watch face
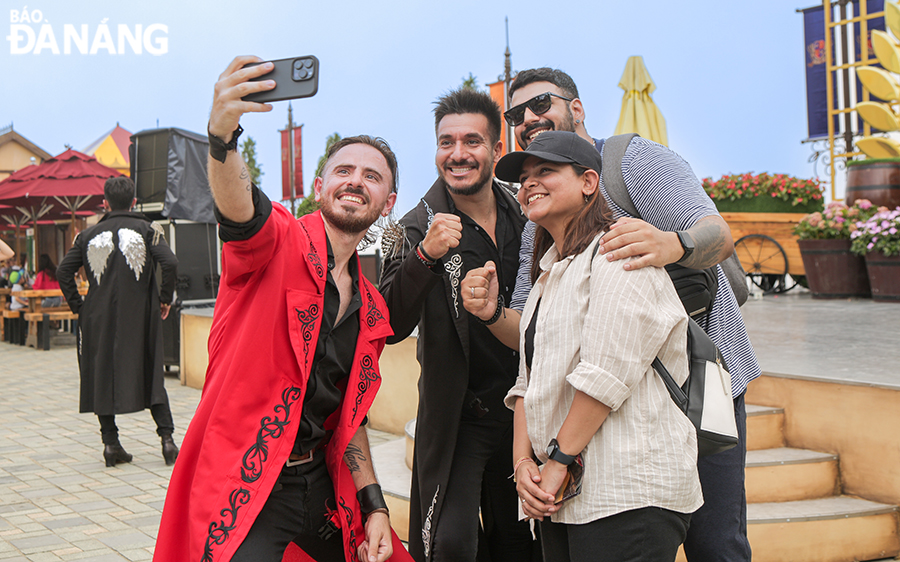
552,448
686,242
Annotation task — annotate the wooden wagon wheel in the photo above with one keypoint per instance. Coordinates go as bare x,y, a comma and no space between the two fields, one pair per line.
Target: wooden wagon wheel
765,262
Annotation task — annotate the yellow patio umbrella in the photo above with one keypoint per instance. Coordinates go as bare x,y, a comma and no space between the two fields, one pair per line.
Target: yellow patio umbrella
639,114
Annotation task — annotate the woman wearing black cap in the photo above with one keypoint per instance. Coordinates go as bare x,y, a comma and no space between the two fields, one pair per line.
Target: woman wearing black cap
586,399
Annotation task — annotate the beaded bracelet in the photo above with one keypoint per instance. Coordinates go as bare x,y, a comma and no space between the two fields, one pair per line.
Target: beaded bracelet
424,258
500,310
424,254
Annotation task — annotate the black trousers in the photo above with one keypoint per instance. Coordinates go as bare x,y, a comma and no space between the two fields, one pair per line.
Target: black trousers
649,534
719,528
294,512
161,413
479,477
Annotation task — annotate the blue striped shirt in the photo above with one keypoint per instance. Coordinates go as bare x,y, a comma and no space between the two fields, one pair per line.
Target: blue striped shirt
668,195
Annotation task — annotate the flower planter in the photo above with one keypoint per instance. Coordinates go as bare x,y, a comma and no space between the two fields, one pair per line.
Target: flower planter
832,271
884,276
766,204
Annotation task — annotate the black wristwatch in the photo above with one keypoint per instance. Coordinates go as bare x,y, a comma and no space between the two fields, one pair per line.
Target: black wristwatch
556,455
687,243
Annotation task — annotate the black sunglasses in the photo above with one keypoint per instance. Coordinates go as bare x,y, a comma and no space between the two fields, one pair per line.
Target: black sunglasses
538,105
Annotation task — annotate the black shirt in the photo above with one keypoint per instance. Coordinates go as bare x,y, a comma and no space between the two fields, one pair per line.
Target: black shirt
332,360
493,367
336,345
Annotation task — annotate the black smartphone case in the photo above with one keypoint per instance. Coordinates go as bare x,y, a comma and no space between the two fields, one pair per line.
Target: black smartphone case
296,77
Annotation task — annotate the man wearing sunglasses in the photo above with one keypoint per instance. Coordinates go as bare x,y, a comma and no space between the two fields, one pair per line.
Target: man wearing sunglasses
681,225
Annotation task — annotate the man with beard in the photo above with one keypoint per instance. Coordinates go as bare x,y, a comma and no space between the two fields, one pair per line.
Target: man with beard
277,450
463,430
680,225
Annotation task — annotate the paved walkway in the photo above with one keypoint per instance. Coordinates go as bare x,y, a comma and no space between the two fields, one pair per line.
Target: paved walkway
58,501
848,340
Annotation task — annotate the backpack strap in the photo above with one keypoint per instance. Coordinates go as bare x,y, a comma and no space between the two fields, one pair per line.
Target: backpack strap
613,152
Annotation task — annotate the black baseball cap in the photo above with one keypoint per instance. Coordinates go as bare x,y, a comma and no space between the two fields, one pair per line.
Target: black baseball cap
553,146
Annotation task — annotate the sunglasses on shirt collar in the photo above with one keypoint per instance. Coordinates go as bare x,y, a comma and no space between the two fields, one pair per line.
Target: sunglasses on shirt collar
538,105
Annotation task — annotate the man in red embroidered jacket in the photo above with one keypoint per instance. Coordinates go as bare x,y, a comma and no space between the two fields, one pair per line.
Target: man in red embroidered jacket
277,450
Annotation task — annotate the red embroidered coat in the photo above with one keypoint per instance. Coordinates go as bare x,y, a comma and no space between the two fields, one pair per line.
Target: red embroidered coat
261,347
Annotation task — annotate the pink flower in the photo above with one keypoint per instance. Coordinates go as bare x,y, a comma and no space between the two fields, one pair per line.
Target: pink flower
863,204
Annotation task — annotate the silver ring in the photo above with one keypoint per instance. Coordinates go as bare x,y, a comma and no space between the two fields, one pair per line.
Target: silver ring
473,292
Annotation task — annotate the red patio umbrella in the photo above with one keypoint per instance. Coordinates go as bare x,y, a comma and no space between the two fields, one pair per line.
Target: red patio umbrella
58,187
71,176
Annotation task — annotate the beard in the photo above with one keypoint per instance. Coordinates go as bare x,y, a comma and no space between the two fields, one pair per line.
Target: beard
351,222
460,188
566,124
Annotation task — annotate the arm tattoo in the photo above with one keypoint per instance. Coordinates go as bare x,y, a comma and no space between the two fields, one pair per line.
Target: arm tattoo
709,242
353,456
245,175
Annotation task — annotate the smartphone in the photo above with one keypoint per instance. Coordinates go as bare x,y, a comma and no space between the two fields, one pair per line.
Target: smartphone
296,77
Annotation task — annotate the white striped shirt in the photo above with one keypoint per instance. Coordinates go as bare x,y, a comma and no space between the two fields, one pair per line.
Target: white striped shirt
669,196
599,329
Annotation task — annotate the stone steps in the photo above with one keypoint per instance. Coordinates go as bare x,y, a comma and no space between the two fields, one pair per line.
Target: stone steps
785,474
795,508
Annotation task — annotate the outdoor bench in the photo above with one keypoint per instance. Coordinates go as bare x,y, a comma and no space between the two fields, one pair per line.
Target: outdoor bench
39,325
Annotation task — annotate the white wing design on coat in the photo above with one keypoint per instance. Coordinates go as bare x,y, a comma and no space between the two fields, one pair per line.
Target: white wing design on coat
99,249
131,244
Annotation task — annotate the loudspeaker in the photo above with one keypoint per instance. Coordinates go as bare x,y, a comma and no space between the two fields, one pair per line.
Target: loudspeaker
168,167
150,165
196,245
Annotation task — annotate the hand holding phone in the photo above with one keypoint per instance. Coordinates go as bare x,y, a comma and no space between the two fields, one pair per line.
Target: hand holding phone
296,77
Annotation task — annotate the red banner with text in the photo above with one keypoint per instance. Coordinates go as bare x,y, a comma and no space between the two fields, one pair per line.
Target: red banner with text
287,151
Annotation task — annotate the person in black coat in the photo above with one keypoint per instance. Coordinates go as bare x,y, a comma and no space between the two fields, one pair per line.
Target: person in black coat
120,345
463,453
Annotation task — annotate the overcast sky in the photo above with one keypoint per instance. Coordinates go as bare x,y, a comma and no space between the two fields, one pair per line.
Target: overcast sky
729,75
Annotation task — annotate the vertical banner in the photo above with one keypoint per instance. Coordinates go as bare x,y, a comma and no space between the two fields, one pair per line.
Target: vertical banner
285,165
814,42
498,94
872,6
816,85
298,162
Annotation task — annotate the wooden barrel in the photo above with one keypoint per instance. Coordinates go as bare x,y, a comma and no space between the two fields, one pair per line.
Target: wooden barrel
878,182
832,271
